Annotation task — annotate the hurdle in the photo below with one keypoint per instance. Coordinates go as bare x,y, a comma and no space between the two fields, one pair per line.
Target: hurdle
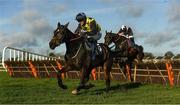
166,69
27,64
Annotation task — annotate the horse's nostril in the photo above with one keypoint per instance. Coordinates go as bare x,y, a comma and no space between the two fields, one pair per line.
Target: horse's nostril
52,47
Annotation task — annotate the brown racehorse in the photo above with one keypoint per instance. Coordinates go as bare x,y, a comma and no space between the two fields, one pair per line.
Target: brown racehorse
125,55
78,56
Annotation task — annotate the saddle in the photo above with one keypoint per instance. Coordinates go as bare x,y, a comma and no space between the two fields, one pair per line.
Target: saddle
97,48
132,47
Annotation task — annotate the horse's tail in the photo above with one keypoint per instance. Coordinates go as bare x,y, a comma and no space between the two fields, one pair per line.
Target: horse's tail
141,48
140,54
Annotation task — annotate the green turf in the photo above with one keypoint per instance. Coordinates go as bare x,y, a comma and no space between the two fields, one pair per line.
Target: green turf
40,91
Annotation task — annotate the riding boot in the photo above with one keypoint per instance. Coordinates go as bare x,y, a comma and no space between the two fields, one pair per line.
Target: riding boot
97,48
88,46
133,45
93,53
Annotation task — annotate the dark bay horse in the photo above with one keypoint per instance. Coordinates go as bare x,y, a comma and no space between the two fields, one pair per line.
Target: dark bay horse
78,56
124,54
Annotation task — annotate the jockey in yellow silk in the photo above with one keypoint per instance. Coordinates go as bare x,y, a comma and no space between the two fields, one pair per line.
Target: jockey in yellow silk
90,28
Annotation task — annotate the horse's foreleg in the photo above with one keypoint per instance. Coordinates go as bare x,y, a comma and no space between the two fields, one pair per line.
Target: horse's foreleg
128,69
107,78
84,78
128,72
124,70
59,77
107,69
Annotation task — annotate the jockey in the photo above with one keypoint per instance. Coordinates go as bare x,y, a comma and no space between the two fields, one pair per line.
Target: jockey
128,33
89,27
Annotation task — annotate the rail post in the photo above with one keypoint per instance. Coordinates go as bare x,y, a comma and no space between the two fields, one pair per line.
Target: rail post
60,68
135,71
33,69
170,73
94,73
10,69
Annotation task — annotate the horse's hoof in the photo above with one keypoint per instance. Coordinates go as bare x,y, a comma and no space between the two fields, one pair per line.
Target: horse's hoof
88,86
107,91
75,92
63,86
91,85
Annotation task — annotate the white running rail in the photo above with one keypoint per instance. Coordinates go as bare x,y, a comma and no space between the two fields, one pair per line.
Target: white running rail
162,59
14,54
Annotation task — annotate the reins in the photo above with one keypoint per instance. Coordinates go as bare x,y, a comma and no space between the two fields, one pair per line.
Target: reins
74,39
119,38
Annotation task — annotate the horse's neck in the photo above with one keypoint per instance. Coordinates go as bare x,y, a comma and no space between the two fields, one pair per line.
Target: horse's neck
118,40
72,46
115,38
70,35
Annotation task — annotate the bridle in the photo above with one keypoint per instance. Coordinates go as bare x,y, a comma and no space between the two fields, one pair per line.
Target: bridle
119,39
71,40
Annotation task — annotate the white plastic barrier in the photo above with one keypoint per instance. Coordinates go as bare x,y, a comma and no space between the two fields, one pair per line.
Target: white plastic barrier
14,54
162,59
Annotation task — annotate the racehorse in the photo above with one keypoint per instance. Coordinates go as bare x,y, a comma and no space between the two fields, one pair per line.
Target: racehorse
78,56
124,54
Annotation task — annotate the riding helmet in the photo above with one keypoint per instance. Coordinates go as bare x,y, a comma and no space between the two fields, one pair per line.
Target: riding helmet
81,17
123,28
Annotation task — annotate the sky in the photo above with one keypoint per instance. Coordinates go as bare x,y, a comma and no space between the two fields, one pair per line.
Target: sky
29,24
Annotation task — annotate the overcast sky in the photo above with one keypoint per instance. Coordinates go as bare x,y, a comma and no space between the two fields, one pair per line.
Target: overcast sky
29,23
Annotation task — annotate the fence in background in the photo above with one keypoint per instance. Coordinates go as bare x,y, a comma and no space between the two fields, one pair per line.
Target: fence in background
20,63
14,55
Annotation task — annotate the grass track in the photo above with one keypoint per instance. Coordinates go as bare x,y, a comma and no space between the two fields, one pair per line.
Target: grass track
40,91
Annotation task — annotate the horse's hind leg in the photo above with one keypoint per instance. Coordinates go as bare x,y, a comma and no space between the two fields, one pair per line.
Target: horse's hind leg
140,54
128,69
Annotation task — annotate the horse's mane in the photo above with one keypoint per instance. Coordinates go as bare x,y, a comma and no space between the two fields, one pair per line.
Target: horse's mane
75,36
112,33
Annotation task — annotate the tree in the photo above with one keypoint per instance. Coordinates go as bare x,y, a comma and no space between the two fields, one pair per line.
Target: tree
0,56
51,54
169,54
149,55
177,56
61,55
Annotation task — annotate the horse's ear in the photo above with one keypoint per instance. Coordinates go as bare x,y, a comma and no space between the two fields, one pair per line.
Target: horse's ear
66,25
58,25
111,31
106,31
